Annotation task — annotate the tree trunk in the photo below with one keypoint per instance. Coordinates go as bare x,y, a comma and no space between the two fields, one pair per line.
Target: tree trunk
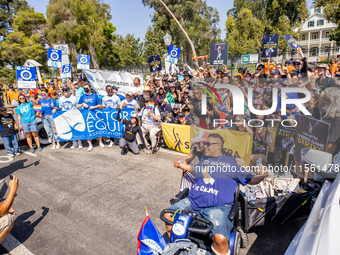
93,56
186,35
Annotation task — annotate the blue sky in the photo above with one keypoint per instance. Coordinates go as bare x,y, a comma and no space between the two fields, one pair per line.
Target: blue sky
130,16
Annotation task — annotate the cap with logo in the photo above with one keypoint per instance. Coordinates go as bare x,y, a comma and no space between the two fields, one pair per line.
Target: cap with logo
298,61
275,71
181,114
129,93
178,106
202,136
66,88
187,91
172,85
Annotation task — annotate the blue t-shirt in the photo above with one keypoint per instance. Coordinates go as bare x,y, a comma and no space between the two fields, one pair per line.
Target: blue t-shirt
79,92
26,112
91,100
46,105
216,188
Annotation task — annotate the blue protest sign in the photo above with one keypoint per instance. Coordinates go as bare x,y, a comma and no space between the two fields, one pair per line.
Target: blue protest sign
291,41
26,78
83,61
173,54
89,124
66,71
54,58
270,45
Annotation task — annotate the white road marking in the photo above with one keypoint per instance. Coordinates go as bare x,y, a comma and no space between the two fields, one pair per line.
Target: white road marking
14,247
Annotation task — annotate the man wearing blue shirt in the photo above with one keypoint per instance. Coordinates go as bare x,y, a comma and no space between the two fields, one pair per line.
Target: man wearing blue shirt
77,90
90,101
212,195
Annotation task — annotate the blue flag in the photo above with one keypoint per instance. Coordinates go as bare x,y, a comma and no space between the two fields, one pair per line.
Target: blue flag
150,241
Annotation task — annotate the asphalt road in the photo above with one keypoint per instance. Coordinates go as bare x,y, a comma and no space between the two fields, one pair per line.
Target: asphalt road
80,202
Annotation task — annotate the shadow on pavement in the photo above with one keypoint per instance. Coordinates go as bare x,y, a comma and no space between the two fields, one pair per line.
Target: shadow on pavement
14,166
23,228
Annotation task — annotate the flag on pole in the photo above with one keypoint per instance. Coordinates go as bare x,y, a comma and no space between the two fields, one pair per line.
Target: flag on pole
150,241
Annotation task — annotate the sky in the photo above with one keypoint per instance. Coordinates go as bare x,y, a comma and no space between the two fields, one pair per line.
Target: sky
131,17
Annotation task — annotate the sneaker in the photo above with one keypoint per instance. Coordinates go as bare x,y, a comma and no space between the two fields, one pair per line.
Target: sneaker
72,147
123,152
140,147
39,149
111,144
32,150
10,155
154,150
90,148
57,147
80,146
17,154
102,145
53,147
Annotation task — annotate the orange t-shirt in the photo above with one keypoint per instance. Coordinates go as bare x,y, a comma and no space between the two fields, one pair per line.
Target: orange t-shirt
290,68
333,69
271,67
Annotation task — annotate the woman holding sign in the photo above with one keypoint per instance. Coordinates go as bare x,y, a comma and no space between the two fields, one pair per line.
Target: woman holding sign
27,122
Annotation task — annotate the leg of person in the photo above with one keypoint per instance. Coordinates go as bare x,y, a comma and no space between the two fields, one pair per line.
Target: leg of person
34,130
55,137
15,144
123,146
48,128
153,135
183,204
133,147
6,225
74,144
90,148
79,144
222,226
28,134
7,142
112,142
145,129
101,144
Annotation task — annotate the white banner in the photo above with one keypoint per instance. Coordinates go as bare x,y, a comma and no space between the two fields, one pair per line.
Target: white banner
99,79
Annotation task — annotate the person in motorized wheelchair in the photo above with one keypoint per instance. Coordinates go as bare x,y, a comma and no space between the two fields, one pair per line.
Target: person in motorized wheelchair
212,195
174,110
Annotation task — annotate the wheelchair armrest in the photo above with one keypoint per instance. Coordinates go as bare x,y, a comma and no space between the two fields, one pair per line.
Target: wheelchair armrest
233,210
180,196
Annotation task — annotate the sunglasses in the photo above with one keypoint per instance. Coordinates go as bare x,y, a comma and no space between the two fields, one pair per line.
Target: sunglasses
22,98
208,144
3,110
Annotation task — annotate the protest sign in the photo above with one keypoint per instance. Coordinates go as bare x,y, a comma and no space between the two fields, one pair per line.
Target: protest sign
54,58
89,124
219,53
270,45
310,133
173,54
66,71
99,79
250,59
83,61
271,136
26,78
291,41
284,140
63,47
155,63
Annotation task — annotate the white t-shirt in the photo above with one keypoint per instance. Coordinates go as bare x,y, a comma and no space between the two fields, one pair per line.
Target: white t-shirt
138,90
146,118
111,102
132,104
68,103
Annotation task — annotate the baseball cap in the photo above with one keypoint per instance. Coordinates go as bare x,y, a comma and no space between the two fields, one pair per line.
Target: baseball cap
171,80
275,71
257,101
187,91
75,82
290,62
202,136
129,93
133,115
176,106
181,114
66,88
259,91
297,61
201,68
259,64
323,66
11,86
172,85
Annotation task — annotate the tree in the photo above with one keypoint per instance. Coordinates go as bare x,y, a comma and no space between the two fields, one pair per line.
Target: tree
197,19
130,50
332,13
154,42
7,75
81,24
27,41
108,55
8,11
244,33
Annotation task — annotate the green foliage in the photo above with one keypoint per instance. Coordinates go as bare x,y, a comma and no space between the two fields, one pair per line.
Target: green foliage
7,75
332,13
198,20
8,11
154,42
244,33
27,41
130,51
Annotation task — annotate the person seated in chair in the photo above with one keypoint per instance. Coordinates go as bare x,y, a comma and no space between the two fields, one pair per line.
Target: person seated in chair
212,194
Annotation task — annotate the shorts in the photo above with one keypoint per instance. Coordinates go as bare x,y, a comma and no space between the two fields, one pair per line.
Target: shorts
218,215
6,221
30,126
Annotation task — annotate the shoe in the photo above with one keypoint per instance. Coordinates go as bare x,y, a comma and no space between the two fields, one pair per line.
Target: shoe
140,147
124,151
57,147
53,147
10,155
102,145
39,149
32,150
90,148
154,150
80,146
17,154
72,147
111,144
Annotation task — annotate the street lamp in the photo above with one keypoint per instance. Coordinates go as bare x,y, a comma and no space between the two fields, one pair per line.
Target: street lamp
167,40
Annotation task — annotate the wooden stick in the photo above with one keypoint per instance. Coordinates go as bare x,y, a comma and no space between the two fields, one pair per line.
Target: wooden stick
287,158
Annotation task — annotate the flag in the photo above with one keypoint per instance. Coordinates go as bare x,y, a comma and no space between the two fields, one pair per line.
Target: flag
187,115
170,98
150,106
150,241
37,108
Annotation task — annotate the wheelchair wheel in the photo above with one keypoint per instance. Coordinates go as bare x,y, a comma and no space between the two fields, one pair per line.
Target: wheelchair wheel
244,238
237,243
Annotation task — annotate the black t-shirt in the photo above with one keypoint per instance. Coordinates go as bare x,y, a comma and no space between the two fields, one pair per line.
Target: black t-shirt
259,146
324,83
7,124
186,108
334,132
